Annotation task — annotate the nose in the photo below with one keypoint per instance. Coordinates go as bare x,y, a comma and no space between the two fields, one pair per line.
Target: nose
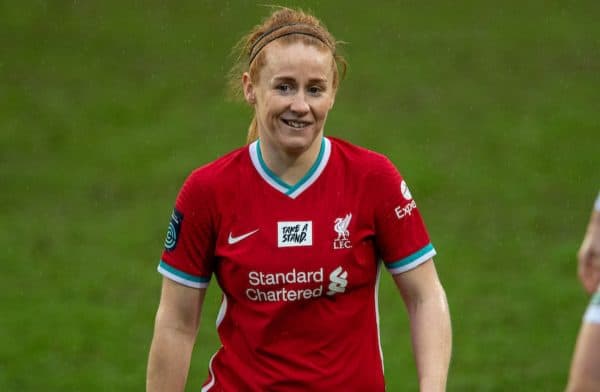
299,104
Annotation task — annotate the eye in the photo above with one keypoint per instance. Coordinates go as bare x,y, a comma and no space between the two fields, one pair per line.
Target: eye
315,90
283,88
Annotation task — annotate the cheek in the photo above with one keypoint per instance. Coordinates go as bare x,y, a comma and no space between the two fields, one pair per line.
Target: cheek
323,108
274,105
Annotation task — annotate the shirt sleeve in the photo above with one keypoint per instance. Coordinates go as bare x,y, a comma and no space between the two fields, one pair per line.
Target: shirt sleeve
188,256
402,239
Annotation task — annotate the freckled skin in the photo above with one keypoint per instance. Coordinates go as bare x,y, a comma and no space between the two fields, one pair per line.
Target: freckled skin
295,84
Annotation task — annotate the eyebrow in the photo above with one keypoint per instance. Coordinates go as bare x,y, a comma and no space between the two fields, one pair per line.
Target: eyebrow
290,79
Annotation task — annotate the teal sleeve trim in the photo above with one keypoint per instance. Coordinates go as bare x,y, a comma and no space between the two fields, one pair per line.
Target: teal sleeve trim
197,279
415,256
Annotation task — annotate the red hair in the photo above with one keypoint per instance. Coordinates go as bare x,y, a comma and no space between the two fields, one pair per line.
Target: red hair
287,26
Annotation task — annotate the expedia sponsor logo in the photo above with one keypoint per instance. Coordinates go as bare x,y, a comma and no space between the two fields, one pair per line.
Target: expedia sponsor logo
294,234
294,285
405,191
406,210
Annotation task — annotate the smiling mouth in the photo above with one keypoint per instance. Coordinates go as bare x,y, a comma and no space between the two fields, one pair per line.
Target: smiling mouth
295,123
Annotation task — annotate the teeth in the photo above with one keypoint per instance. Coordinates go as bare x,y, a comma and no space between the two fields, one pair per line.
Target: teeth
296,124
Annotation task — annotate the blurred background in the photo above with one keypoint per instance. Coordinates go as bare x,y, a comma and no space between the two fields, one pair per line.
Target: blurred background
490,111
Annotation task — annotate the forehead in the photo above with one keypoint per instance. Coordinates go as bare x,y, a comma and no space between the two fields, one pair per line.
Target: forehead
297,60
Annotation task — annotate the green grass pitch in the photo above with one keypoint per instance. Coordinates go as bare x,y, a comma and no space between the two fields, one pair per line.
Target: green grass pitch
490,110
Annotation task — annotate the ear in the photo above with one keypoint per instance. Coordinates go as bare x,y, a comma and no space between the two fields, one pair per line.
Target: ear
248,86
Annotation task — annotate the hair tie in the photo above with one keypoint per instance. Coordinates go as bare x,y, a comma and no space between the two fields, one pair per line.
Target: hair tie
254,53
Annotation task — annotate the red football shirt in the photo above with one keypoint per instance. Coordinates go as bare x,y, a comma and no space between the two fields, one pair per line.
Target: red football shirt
298,265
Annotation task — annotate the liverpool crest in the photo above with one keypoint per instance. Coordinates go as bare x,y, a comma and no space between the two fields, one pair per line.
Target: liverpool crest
341,228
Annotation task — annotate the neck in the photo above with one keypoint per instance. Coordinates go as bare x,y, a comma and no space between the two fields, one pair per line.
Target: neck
290,166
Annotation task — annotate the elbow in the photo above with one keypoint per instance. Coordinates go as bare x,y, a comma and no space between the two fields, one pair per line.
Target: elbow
180,324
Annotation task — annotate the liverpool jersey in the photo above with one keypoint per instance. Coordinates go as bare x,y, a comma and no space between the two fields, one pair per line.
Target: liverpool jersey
298,265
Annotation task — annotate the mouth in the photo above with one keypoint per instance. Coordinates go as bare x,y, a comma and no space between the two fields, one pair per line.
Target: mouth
296,124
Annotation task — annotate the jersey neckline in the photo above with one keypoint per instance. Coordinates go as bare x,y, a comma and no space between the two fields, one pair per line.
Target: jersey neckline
293,191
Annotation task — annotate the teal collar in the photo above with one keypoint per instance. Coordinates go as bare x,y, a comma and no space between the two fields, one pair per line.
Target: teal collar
310,177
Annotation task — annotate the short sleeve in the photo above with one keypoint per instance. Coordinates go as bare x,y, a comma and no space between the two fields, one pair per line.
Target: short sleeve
402,239
189,247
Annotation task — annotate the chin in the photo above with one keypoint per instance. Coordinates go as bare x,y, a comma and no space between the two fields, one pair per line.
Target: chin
297,142
295,146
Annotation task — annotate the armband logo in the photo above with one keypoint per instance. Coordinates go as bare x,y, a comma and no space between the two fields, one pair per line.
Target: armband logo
173,231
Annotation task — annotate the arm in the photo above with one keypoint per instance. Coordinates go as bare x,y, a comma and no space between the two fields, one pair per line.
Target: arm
429,316
589,252
585,365
175,329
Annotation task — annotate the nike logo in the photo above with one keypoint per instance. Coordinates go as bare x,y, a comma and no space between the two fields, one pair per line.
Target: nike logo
234,240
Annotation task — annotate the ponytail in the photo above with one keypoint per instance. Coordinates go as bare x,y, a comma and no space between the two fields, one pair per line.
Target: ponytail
252,131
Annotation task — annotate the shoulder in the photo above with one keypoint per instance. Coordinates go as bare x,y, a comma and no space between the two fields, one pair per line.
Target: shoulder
374,172
360,159
220,170
216,174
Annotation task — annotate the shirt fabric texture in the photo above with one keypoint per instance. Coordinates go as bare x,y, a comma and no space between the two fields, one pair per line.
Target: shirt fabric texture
298,265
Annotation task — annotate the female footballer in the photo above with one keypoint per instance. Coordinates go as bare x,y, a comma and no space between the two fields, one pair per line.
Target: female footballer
295,227
585,366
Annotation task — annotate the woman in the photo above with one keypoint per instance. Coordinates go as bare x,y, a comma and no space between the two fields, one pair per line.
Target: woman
292,226
585,366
